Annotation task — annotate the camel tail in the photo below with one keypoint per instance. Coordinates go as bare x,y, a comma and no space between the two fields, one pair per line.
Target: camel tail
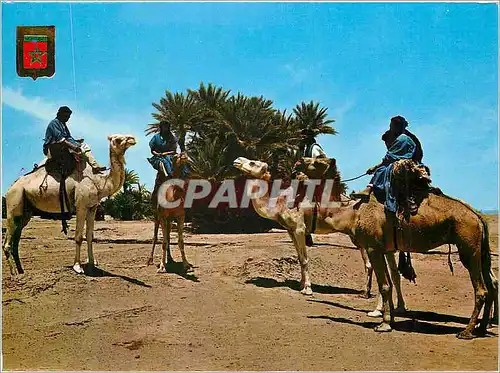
489,276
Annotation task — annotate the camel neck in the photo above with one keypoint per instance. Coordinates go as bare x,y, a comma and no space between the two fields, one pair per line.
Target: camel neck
262,206
344,218
116,176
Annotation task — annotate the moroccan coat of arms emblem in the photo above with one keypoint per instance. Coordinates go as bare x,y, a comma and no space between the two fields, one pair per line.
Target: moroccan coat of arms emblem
35,51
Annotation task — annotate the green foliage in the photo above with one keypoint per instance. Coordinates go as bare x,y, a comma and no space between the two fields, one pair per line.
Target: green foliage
215,127
131,178
131,203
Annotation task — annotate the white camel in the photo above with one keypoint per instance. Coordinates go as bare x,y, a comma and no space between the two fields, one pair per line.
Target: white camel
298,221
40,191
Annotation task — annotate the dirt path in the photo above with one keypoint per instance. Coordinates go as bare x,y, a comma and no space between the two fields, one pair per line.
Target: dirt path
239,311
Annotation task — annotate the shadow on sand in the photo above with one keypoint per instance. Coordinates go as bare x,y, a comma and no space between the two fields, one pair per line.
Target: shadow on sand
295,285
415,321
92,271
178,269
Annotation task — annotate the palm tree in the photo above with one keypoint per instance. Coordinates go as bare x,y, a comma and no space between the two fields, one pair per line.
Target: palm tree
211,96
206,154
211,99
131,178
313,119
249,125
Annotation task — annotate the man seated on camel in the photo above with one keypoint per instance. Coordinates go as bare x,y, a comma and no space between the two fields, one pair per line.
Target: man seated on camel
163,145
400,145
309,148
57,135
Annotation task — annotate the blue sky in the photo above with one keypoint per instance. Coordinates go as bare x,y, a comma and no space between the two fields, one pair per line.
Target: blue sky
434,63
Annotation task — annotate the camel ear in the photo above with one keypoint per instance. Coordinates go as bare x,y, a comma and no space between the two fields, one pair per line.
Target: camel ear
110,137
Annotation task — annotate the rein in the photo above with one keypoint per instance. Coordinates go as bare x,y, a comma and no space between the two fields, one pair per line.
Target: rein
354,178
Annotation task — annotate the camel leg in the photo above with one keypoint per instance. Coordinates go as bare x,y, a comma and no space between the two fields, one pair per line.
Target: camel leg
11,244
180,242
377,312
299,240
494,316
368,271
155,238
90,236
394,275
396,279
492,297
379,266
80,223
473,264
169,230
166,257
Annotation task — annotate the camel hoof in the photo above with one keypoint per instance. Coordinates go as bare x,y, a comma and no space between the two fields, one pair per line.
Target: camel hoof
494,320
161,269
78,269
307,291
382,328
465,334
149,262
400,310
365,295
374,313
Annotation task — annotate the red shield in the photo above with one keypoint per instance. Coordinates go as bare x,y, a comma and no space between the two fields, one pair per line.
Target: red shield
36,51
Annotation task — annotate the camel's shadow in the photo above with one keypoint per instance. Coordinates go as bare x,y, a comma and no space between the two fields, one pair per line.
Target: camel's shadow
265,282
415,321
93,271
178,269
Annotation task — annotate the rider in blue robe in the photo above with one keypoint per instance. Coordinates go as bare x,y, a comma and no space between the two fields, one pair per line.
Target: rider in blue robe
403,147
164,142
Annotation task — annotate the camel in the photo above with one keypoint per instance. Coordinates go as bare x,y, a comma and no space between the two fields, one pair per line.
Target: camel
39,191
164,216
440,220
294,220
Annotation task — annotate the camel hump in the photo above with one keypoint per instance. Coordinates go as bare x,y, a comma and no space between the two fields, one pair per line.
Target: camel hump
463,203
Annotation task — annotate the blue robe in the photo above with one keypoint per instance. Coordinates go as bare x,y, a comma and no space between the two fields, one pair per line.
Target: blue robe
55,133
402,148
160,145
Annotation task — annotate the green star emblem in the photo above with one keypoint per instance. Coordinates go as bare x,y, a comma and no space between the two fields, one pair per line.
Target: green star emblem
36,55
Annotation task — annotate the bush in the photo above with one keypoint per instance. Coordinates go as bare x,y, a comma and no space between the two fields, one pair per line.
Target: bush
133,204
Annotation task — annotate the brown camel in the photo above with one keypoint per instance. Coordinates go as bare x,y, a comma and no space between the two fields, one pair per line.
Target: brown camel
40,191
165,216
298,221
440,220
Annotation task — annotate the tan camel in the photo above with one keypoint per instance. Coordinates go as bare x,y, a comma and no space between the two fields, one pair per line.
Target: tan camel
440,220
298,221
165,216
40,191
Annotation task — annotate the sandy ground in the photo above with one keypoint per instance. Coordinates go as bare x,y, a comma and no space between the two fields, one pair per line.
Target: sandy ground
240,310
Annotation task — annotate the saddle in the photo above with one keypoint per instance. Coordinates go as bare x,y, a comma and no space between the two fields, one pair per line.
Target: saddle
62,162
60,165
410,183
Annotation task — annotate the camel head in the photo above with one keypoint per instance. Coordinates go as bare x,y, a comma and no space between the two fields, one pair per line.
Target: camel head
120,143
314,168
256,169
